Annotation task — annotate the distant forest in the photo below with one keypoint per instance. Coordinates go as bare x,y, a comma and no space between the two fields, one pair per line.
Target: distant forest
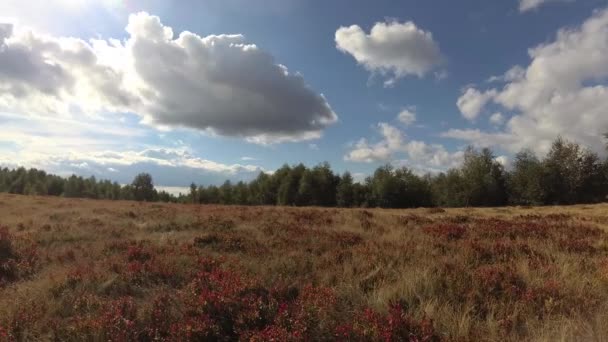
568,174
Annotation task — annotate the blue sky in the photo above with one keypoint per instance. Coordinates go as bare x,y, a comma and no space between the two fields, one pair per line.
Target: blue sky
262,83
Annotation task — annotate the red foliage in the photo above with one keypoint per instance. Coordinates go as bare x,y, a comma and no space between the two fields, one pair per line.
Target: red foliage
8,263
446,230
346,239
25,317
118,320
138,253
396,325
274,333
502,250
19,258
577,245
66,256
498,281
414,219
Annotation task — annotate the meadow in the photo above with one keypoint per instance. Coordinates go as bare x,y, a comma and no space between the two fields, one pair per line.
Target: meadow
92,270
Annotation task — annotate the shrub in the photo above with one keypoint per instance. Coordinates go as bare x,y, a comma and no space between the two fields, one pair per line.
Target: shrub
18,257
396,325
447,231
8,266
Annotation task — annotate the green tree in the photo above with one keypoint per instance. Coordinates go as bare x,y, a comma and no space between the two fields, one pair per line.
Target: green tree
225,193
164,196
306,189
18,185
213,194
573,174
143,187
345,191
361,195
203,197
290,183
54,185
74,187
414,191
241,193
325,185
449,189
484,179
525,182
194,194
263,190
384,187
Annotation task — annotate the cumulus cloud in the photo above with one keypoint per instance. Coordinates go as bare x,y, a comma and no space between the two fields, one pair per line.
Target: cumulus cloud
472,101
41,74
394,147
407,117
219,83
563,91
109,150
391,48
392,141
480,138
513,74
165,157
497,119
173,167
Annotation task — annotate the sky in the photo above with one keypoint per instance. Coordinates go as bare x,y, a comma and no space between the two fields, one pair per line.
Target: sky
209,90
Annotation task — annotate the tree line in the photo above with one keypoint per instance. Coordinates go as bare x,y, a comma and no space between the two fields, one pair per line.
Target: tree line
568,174
38,182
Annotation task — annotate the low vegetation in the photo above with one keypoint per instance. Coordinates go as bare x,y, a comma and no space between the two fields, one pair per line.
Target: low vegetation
76,269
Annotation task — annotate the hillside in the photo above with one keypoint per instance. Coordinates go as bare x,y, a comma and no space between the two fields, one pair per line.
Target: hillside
75,269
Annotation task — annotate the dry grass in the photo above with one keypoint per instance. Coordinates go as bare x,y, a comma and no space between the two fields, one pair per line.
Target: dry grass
75,270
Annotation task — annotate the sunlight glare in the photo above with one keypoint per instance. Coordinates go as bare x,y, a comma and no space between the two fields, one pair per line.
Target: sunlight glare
74,4
81,4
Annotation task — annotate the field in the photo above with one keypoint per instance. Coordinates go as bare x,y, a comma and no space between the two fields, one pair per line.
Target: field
74,270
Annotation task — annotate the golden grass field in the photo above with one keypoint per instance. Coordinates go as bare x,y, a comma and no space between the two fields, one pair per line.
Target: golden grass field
86,270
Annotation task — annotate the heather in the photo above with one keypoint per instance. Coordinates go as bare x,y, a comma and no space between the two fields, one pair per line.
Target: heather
74,269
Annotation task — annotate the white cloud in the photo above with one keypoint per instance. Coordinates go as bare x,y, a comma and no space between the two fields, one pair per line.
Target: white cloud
80,165
479,138
441,75
220,84
392,49
359,177
513,74
420,155
174,190
167,166
504,161
563,91
392,141
248,159
497,119
472,101
106,149
165,157
431,157
407,117
528,5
